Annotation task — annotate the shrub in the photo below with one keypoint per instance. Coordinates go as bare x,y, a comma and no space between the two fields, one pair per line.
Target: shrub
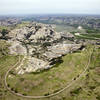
46,94
76,91
8,85
98,97
12,89
12,72
16,91
4,32
24,94
92,87
56,91
21,79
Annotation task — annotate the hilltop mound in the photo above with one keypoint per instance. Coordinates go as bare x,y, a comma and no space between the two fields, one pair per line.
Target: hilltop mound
41,44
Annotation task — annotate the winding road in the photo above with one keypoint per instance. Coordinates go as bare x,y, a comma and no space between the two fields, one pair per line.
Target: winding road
53,94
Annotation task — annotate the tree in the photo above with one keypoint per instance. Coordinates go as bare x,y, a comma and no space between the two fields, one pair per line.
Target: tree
4,32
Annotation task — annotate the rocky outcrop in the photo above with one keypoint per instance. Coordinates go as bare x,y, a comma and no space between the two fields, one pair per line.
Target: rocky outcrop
61,49
33,65
17,48
47,59
34,33
9,21
41,44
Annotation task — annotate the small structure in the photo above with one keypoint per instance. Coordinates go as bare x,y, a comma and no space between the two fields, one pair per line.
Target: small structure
77,34
79,28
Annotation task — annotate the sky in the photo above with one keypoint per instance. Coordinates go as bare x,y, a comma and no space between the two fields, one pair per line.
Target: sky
49,7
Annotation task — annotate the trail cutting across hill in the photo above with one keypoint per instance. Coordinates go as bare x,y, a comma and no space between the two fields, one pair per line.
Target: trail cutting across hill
53,94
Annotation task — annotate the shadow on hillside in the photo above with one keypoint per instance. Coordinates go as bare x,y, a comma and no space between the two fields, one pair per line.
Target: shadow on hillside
53,64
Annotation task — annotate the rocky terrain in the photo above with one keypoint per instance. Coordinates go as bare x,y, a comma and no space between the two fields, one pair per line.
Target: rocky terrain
9,21
41,45
52,60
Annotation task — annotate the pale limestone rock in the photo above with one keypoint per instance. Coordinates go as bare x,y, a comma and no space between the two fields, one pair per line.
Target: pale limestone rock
17,48
23,40
33,65
61,49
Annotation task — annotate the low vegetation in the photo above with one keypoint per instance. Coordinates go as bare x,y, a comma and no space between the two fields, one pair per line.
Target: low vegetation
93,35
53,80
89,36
6,62
4,48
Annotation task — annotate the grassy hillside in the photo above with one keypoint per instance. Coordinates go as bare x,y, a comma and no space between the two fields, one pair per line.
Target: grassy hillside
5,63
3,48
50,81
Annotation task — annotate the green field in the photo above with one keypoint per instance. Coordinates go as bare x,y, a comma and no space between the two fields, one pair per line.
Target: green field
93,35
89,36
23,24
64,28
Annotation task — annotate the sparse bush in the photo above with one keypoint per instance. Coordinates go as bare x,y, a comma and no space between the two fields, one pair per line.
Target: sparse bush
24,94
8,85
46,94
56,91
12,72
16,91
21,79
12,89
98,97
75,78
76,91
92,87
4,32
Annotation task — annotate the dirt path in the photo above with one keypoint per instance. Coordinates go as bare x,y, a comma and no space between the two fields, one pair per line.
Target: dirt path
38,97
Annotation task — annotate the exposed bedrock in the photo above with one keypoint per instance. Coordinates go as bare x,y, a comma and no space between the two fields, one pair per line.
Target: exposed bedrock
41,44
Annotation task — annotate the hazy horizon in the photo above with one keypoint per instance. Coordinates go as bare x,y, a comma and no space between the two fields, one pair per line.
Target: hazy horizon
21,7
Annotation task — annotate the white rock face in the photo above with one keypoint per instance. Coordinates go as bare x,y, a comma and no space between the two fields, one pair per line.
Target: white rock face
61,49
34,33
33,65
17,48
40,43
